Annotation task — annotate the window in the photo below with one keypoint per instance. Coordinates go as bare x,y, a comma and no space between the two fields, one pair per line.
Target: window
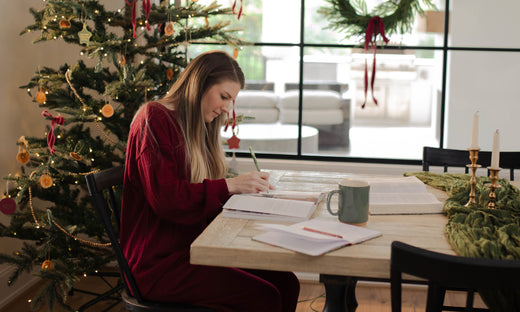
411,85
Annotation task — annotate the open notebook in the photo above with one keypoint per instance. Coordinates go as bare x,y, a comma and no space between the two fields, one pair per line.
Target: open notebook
283,207
401,195
314,237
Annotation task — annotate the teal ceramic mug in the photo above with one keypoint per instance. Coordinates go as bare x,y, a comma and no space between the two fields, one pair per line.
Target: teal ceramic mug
352,201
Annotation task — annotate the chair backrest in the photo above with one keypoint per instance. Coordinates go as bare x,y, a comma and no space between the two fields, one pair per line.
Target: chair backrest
101,188
451,272
434,156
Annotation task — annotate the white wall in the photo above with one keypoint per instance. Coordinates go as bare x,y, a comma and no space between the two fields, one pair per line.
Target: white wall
484,81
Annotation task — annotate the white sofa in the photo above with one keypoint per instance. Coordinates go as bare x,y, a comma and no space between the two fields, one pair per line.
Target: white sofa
324,107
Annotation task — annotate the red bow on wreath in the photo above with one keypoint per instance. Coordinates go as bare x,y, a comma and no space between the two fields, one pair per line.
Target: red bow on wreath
375,27
147,7
51,138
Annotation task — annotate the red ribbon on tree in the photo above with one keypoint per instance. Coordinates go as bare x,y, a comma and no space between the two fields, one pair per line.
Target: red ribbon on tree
239,10
147,7
375,27
51,138
233,125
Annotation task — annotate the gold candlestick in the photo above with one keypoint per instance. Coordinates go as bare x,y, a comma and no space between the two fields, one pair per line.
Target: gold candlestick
473,157
493,176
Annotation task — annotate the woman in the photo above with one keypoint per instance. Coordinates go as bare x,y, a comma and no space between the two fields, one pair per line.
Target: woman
174,186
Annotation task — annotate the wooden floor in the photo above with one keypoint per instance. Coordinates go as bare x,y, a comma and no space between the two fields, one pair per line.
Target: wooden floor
372,297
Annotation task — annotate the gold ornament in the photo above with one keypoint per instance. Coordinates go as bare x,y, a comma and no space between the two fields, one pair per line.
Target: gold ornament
47,265
123,60
45,181
107,110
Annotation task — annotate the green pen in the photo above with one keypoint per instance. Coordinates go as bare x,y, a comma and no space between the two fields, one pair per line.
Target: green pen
254,158
256,164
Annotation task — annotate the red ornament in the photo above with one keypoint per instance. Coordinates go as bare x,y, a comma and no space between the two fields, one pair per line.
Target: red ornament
7,205
233,142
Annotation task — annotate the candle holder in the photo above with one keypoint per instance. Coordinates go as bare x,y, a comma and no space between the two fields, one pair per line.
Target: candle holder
473,157
493,176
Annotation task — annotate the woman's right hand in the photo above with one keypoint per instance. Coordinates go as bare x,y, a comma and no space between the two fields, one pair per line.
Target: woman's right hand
252,182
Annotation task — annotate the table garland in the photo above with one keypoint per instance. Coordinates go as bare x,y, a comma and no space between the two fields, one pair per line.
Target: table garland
388,17
477,231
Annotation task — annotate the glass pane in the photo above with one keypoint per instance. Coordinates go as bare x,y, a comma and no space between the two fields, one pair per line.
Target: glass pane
265,20
484,23
407,88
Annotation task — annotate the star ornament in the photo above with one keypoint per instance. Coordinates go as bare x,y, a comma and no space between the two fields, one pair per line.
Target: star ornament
233,142
84,35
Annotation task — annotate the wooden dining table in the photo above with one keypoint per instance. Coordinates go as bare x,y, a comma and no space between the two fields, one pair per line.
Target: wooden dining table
227,242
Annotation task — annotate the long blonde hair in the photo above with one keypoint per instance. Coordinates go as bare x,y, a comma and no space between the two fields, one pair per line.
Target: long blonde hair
204,151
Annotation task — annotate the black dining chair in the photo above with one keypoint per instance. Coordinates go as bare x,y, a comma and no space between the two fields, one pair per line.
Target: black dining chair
444,157
101,187
448,272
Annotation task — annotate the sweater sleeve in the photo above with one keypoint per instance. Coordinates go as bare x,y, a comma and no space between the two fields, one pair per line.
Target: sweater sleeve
162,173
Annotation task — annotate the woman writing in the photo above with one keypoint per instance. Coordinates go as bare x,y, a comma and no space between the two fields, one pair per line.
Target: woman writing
175,184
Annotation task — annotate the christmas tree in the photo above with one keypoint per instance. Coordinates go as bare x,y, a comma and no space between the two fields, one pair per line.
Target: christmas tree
129,56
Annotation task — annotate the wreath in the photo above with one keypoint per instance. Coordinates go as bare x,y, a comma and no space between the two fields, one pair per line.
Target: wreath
397,16
391,17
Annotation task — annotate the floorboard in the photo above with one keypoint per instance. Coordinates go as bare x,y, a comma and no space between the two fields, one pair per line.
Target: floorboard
372,297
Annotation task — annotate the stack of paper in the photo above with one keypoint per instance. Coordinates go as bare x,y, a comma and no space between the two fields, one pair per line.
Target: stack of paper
271,207
314,237
401,195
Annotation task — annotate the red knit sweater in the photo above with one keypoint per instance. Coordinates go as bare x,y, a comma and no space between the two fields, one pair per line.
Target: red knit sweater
162,213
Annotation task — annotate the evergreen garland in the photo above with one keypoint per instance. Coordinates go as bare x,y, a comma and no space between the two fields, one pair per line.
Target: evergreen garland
477,231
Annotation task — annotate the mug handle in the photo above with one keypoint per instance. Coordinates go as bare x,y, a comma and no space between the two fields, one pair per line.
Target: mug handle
329,196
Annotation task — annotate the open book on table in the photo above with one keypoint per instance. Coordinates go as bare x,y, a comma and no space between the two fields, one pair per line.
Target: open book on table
314,237
401,195
282,206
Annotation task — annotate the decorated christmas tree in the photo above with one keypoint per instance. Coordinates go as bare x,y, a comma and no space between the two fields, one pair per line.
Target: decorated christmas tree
128,56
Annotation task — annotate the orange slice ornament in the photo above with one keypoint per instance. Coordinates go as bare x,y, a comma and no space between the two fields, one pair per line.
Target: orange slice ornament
23,156
64,23
168,29
47,265
169,74
75,156
45,181
107,110
41,97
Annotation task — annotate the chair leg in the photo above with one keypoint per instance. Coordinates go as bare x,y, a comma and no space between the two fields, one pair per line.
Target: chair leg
470,299
396,290
435,299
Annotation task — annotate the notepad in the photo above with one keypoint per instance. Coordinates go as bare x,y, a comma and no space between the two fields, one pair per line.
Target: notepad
271,207
314,237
